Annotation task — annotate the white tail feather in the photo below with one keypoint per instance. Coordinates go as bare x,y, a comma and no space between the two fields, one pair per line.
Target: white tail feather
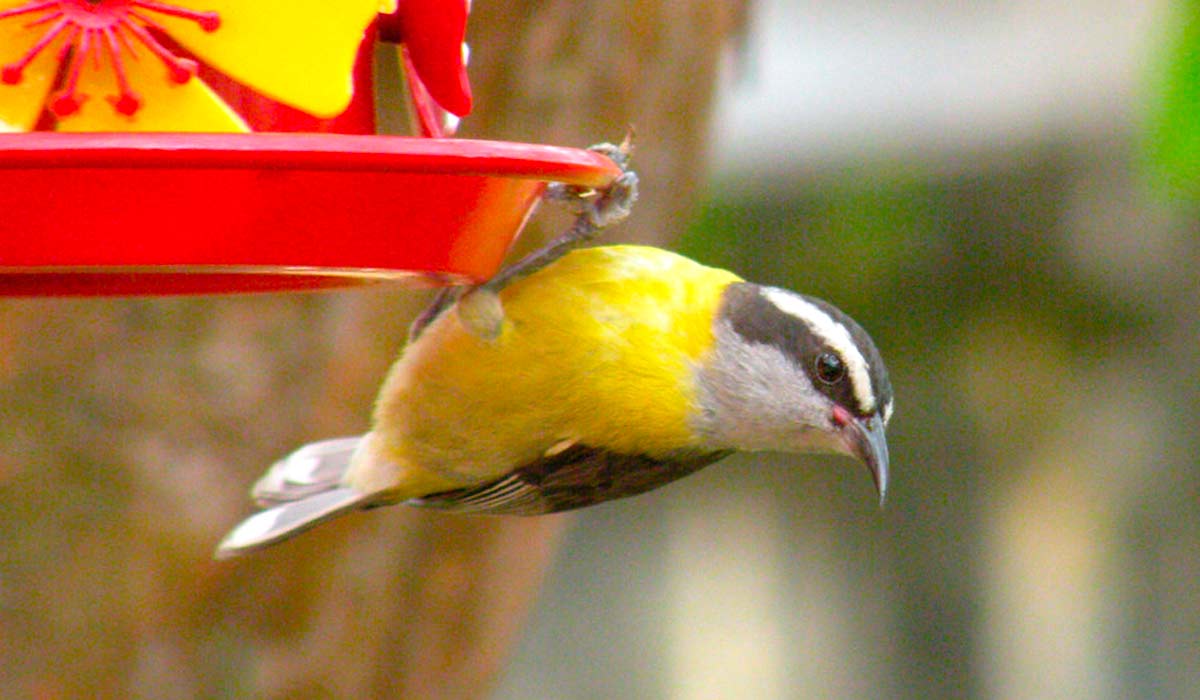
303,489
287,520
312,469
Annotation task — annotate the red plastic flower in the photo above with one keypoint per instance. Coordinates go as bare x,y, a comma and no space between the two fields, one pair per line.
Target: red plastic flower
433,56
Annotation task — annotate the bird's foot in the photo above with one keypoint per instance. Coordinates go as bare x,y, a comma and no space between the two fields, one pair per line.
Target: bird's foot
479,307
597,210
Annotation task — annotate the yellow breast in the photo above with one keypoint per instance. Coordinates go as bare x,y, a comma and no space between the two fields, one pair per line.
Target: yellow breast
598,348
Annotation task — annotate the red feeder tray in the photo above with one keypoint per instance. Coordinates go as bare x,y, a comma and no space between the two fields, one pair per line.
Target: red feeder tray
150,214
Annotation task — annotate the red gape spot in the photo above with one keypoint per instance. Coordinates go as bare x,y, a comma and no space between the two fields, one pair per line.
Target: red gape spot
841,417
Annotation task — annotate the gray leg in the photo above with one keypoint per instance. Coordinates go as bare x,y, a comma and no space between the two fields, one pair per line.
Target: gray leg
446,296
479,308
607,208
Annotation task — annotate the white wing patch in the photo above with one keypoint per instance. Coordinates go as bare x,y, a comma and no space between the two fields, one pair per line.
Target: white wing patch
508,495
835,334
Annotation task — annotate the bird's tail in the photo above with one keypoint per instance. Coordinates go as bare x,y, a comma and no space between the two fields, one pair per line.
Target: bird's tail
299,491
315,468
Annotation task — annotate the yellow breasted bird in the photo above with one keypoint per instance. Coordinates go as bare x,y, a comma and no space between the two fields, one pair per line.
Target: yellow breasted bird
614,370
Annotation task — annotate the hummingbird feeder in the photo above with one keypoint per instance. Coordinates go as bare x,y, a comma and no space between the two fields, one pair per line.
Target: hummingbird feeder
212,146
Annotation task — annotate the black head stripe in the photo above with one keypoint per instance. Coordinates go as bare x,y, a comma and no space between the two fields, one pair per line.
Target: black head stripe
880,383
759,320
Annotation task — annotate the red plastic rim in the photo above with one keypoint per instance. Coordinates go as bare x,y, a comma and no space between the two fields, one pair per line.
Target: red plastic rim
116,214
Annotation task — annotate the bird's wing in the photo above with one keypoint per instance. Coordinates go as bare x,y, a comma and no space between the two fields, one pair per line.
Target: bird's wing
573,477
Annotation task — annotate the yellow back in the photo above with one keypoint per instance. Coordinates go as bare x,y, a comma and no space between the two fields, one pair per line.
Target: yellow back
598,348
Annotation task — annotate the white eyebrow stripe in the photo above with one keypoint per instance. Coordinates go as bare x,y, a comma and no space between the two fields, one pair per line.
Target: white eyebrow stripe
835,334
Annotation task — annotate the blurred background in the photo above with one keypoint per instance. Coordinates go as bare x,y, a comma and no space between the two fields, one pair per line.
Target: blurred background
975,183
1003,192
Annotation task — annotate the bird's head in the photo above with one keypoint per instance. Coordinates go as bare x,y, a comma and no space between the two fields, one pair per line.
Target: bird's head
792,373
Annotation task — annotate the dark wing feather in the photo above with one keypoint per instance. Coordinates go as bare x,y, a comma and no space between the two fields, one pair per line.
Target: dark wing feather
576,477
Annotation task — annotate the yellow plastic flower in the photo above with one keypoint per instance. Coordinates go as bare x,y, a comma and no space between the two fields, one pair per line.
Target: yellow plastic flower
139,57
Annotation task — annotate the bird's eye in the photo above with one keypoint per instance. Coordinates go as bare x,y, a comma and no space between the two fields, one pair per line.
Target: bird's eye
830,368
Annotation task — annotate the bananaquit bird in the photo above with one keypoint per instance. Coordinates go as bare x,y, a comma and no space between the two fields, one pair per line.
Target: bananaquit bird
612,371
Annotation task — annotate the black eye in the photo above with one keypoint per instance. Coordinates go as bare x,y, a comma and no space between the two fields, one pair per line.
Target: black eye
830,368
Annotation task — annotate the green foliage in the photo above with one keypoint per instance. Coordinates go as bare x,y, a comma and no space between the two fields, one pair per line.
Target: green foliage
1172,129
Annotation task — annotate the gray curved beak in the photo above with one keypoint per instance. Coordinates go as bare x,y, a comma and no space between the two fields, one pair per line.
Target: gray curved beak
868,442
